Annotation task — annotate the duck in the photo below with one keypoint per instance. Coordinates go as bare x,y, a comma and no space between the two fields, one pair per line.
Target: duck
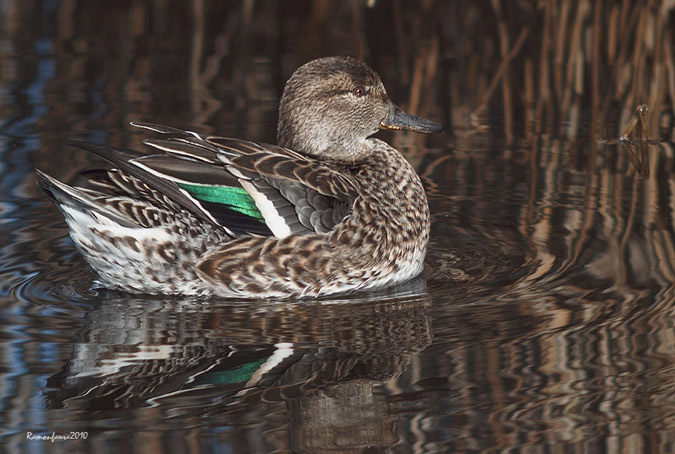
328,210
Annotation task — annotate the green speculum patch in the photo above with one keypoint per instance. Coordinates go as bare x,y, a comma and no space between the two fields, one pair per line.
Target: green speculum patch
240,374
234,198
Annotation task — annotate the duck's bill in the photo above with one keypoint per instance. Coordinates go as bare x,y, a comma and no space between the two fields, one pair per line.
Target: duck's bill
402,121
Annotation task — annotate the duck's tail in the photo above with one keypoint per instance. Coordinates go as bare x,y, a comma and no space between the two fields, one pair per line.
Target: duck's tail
72,199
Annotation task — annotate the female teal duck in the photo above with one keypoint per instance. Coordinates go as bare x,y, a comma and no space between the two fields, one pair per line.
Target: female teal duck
329,210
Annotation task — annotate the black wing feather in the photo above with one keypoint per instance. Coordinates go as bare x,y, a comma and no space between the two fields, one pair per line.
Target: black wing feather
120,158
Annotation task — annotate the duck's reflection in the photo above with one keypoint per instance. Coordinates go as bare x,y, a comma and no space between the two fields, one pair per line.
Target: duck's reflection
324,359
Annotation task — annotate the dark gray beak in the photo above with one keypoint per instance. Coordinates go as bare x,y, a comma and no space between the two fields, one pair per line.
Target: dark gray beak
401,121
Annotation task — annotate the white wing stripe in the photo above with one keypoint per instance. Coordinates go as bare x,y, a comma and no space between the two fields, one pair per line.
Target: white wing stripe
274,221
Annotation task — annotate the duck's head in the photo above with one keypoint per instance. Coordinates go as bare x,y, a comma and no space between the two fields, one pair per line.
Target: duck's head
330,106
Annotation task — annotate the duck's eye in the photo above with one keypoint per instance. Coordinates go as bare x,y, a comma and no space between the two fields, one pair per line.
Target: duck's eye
359,91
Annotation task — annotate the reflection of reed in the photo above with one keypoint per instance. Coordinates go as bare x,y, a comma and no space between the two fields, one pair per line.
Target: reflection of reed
539,366
583,352
585,207
580,61
558,65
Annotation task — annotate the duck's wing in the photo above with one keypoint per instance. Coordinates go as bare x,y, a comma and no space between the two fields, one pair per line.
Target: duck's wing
146,198
285,191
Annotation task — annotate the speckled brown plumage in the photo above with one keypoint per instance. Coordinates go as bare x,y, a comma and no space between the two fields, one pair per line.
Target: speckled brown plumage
329,210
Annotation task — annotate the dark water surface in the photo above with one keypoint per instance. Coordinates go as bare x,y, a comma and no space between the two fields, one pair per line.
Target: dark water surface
545,320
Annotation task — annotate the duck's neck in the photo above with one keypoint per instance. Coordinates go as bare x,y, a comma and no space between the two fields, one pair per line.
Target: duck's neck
326,147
